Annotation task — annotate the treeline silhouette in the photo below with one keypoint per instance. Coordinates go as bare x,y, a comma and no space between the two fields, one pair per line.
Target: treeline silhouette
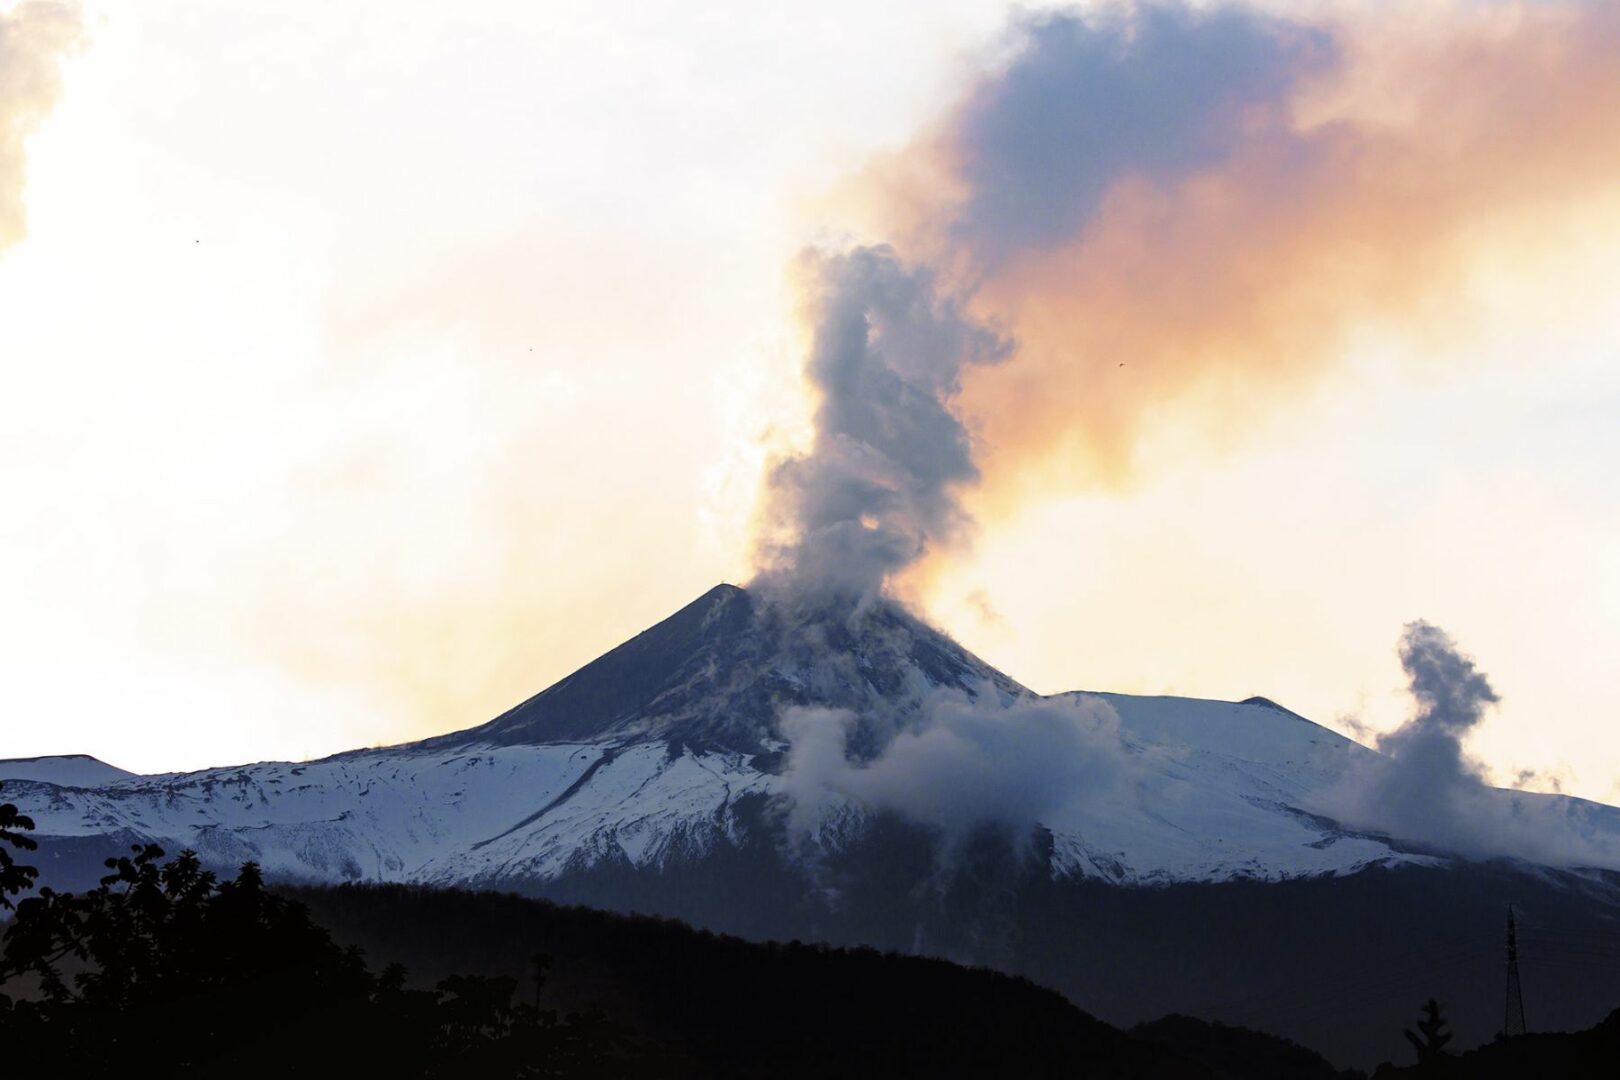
789,1009
741,1008
1594,1052
166,968
165,964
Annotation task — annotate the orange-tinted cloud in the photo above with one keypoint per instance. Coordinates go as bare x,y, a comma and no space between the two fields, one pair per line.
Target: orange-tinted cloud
1194,212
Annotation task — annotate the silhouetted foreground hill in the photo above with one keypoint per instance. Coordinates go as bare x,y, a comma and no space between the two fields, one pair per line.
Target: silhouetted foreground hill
726,1007
166,969
1593,1053
1237,1052
720,1006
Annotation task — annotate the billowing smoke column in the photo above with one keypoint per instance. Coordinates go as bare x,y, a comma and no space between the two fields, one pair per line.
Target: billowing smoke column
1426,790
33,38
879,485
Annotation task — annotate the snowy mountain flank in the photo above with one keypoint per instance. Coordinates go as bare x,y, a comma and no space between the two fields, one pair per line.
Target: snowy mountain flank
668,748
67,770
843,773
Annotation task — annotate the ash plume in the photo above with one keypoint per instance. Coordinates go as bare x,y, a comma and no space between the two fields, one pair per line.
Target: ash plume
1426,789
33,39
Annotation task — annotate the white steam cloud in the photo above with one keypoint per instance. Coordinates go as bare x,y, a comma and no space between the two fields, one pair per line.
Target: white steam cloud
33,39
969,763
1427,790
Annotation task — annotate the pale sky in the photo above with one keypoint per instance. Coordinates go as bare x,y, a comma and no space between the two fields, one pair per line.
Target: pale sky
370,366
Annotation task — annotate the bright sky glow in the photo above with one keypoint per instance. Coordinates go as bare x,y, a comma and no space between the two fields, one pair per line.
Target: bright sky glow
369,366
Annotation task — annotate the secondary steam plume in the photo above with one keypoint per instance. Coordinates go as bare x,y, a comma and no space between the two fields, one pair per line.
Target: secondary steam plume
33,38
1428,790
1419,795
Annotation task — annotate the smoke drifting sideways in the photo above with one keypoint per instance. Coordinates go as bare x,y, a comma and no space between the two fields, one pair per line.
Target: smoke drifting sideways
973,762
33,39
878,486
1189,215
1425,789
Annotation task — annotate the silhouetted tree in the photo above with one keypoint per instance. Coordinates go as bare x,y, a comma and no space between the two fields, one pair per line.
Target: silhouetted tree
14,878
246,980
1431,1036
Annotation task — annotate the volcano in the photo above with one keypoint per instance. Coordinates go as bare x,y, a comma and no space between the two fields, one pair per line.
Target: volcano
652,780
716,674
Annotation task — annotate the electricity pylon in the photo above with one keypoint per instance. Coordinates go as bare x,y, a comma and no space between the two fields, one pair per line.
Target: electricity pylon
1513,1023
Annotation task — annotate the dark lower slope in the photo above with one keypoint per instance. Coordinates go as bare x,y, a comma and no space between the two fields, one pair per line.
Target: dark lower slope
1336,963
715,1006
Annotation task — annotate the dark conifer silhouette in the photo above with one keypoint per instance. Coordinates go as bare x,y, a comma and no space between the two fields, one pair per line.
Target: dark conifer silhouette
1431,1036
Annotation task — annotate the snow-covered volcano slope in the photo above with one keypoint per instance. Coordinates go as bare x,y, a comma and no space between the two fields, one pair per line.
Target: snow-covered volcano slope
668,748
75,770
